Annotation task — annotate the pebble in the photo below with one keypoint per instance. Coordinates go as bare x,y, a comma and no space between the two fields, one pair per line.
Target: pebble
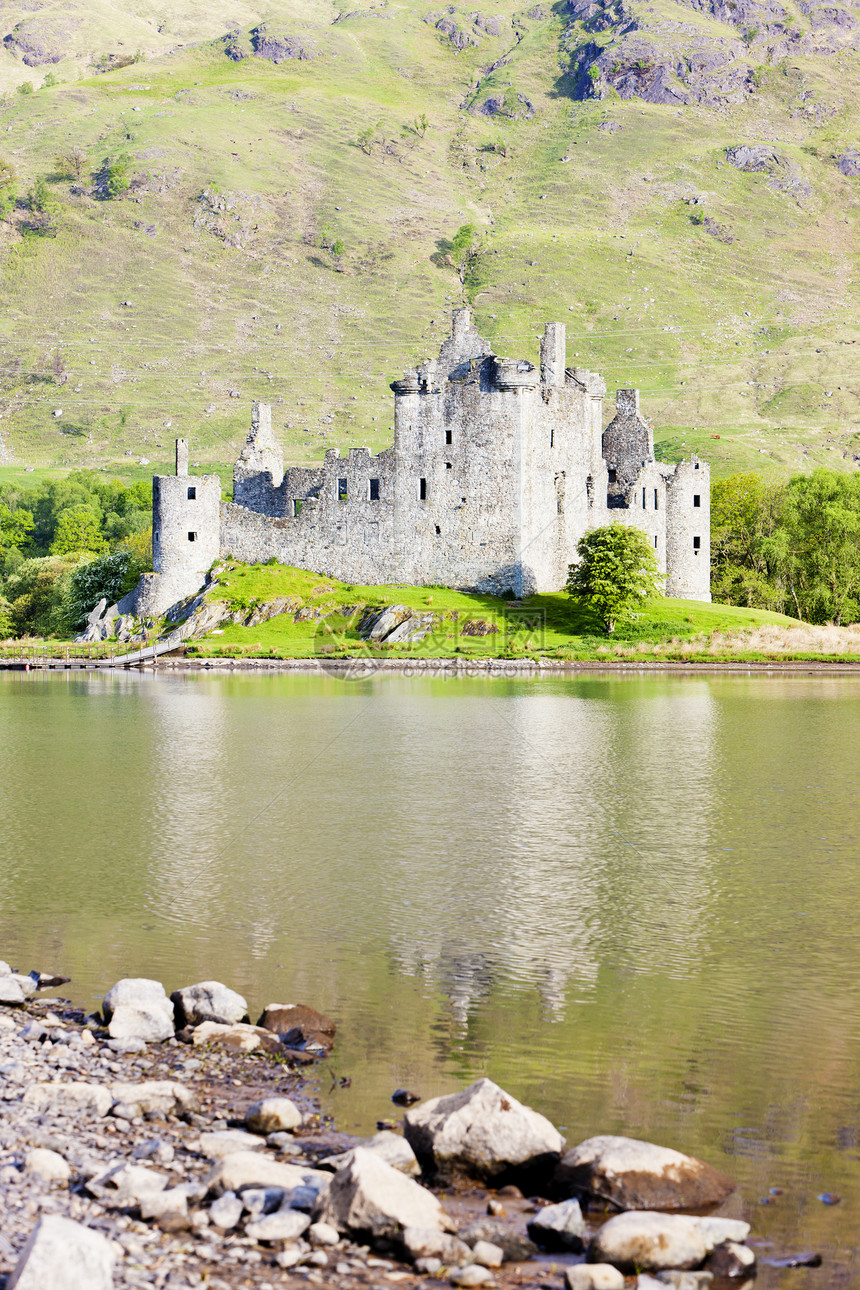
473,1275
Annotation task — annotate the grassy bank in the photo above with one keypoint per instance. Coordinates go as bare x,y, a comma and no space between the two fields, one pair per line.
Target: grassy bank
321,617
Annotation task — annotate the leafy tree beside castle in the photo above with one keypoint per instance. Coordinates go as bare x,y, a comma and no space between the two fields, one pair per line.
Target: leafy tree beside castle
616,571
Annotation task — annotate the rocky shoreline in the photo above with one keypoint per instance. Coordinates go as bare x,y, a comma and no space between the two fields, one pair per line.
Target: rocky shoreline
168,1142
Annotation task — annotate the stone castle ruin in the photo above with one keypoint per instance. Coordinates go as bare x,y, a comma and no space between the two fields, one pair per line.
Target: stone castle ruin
497,469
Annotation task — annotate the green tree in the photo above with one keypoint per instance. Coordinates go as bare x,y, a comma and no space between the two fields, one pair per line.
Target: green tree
616,571
465,250
15,528
822,546
747,542
37,591
26,87
39,197
114,177
71,163
78,529
109,576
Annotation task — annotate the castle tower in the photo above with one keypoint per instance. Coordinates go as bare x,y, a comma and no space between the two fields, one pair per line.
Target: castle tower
186,531
688,531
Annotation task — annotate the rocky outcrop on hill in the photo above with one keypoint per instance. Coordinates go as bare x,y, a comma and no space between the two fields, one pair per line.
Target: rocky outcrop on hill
39,41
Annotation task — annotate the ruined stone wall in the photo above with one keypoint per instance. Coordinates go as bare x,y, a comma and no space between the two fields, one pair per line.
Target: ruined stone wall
689,531
344,530
259,469
628,444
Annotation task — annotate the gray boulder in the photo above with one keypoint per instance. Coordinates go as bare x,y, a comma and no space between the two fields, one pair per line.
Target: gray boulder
64,1255
558,1227
651,1242
370,1199
160,1096
630,1174
485,1133
243,1169
11,993
208,1001
77,1099
849,163
755,157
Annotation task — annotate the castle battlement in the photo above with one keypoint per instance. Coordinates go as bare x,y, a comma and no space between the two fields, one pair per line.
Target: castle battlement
497,469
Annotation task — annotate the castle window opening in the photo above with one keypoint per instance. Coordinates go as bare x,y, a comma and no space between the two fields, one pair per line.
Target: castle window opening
655,541
697,500
613,476
448,466
422,490
373,490
449,436
697,542
341,490
192,537
655,499
552,436
644,503
192,494
297,506
438,530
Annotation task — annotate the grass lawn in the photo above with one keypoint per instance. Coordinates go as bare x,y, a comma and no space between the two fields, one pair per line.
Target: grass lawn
322,618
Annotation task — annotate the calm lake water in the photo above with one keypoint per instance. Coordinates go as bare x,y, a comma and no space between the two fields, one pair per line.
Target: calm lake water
633,902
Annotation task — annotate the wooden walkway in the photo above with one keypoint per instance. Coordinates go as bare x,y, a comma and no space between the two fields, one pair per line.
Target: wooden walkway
34,658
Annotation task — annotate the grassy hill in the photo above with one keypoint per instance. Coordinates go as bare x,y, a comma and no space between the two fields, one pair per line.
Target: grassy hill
727,295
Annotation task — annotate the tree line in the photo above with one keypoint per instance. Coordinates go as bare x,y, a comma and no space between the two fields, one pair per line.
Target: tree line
790,546
65,543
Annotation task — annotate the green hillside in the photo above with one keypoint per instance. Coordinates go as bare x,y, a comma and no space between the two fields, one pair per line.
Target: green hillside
727,295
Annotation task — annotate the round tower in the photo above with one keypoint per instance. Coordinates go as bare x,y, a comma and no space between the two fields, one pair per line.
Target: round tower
688,531
186,529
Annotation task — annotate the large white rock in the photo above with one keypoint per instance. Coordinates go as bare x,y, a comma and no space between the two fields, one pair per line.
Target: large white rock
283,1225
5,969
484,1132
162,1096
217,1145
593,1276
273,1115
630,1174
649,1242
10,992
208,1001
63,1255
76,1099
146,1021
135,992
47,1165
368,1198
254,1169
